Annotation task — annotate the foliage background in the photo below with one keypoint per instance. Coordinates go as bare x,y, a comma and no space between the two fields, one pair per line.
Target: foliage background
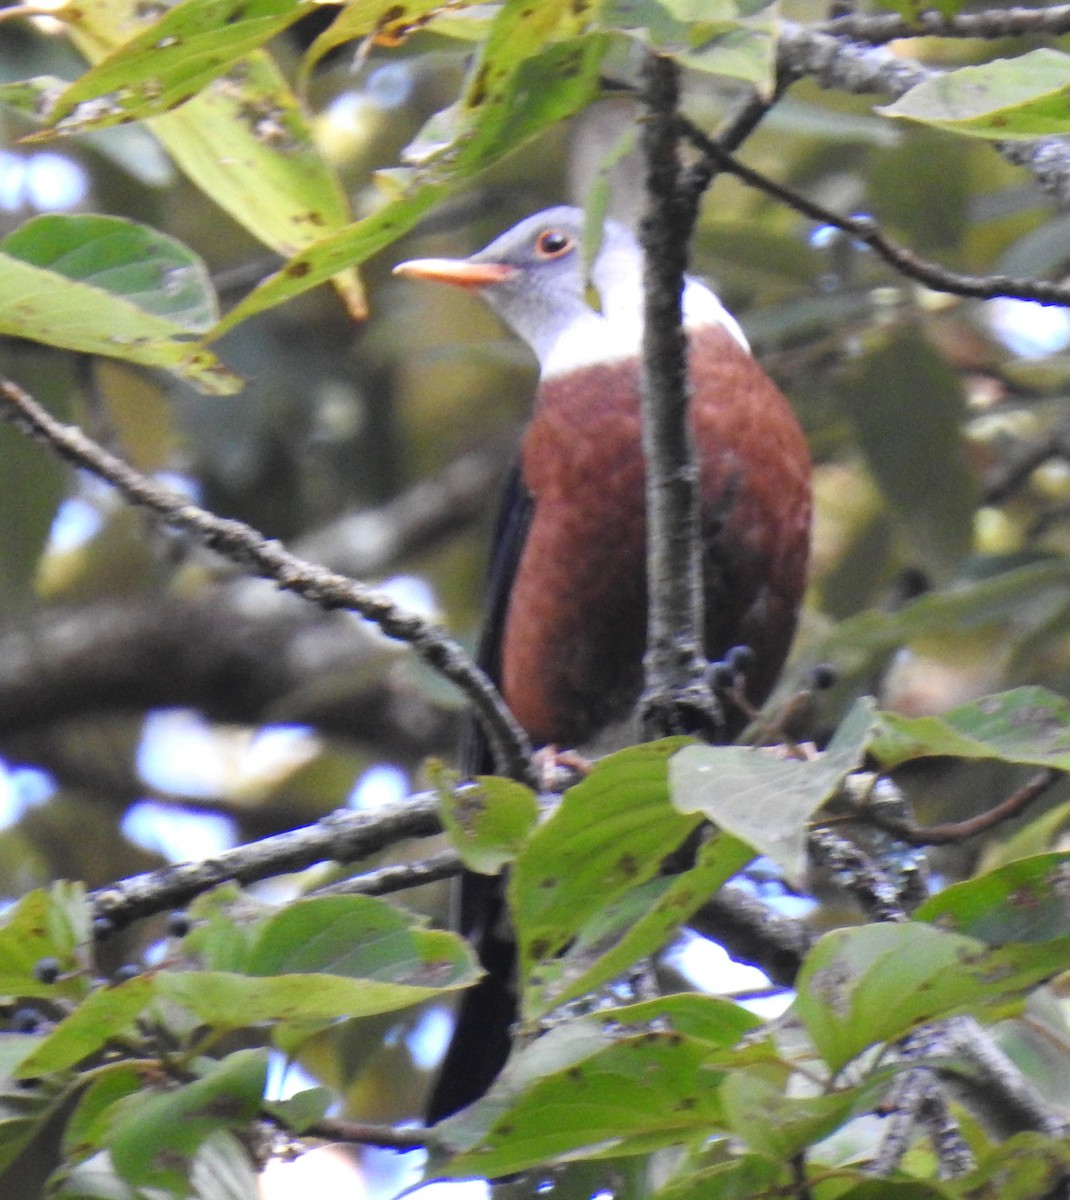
937,425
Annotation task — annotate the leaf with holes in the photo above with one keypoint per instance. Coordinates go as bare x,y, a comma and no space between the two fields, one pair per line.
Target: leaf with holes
168,63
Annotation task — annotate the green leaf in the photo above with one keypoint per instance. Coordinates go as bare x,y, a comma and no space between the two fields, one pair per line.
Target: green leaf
518,98
23,1116
718,1023
901,1189
154,1138
153,271
313,960
859,987
302,1110
166,64
228,1001
711,1019
1023,901
1025,1166
740,1178
1023,97
1013,593
224,925
359,937
324,259
920,464
644,1091
88,1128
244,141
104,1014
718,37
487,820
606,948
764,799
40,481
46,924
778,1125
386,22
609,835
1024,725
232,1001
80,283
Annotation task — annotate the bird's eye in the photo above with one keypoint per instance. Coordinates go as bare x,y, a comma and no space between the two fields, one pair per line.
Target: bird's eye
552,243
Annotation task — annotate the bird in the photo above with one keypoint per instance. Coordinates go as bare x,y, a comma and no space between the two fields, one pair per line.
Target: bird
565,620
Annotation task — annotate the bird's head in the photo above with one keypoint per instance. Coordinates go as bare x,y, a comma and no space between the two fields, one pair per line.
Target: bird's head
536,278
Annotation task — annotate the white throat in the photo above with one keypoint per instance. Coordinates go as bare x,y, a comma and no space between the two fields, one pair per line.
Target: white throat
617,332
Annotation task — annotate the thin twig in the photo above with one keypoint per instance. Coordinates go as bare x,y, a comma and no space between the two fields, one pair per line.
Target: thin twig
397,877
364,1133
1004,480
960,831
250,550
676,696
865,230
735,129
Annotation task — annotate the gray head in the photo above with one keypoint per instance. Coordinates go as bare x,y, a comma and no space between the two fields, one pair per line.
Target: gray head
533,277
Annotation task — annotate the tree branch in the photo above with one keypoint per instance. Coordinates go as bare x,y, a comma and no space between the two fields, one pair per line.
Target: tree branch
248,549
676,695
342,836
877,28
849,67
916,1099
238,651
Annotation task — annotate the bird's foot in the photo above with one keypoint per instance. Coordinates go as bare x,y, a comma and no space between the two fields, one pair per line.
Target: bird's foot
559,769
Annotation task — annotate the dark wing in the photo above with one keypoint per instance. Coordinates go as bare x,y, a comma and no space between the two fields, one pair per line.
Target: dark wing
510,534
482,1033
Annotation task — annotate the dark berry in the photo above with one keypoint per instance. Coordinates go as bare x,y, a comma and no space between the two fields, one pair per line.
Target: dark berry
25,1020
178,924
822,677
721,676
46,970
127,971
740,659
103,928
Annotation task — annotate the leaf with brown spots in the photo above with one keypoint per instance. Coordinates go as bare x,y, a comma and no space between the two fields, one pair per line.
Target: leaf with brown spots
861,987
608,836
153,1138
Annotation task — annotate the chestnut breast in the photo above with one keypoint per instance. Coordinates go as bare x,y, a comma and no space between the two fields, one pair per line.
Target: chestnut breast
576,623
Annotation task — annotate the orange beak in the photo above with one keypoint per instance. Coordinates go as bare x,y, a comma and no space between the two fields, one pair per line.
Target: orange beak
458,271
